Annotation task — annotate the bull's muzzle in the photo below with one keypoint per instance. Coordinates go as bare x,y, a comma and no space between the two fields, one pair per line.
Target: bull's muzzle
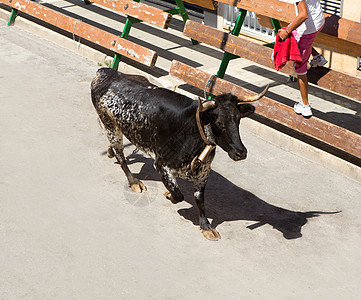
238,154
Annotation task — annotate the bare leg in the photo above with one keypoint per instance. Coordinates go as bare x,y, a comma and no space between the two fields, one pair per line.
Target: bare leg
314,52
303,84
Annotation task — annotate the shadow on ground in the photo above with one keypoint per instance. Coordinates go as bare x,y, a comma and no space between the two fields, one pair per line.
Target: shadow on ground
227,202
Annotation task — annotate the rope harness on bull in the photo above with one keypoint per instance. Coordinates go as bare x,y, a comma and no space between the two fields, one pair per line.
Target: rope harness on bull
203,157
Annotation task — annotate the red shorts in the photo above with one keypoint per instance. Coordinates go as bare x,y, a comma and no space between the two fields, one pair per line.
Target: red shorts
304,43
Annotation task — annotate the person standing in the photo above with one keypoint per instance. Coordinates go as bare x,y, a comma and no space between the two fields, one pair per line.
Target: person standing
308,22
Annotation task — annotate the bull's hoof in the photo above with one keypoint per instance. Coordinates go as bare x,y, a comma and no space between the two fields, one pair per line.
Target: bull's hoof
110,152
138,187
170,197
211,235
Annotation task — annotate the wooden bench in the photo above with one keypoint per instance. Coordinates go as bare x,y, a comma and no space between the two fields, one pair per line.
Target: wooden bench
138,12
338,33
83,30
236,46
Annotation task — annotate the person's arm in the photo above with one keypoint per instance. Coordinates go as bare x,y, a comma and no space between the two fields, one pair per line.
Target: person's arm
301,17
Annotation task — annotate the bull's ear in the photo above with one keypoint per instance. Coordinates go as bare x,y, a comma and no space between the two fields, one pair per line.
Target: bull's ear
246,109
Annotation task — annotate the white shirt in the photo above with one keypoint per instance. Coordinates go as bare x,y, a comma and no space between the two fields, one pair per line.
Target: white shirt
315,19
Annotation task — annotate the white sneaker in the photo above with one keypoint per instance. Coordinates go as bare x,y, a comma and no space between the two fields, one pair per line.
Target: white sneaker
305,110
318,61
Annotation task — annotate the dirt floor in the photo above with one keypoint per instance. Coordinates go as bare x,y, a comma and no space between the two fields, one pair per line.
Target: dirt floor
71,229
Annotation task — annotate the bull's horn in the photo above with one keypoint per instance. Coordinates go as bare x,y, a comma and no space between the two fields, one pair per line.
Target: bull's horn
254,98
206,105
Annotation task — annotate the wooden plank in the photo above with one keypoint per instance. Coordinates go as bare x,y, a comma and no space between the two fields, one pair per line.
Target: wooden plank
335,26
209,4
86,31
338,44
336,81
326,132
140,11
264,21
231,44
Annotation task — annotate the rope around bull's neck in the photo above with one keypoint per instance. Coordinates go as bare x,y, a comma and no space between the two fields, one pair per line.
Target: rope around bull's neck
200,128
203,157
199,125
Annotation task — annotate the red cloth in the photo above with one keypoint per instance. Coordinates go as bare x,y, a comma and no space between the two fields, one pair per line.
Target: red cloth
285,51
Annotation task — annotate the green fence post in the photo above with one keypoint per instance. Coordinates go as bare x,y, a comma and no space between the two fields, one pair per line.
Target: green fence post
125,34
184,15
14,13
276,25
228,56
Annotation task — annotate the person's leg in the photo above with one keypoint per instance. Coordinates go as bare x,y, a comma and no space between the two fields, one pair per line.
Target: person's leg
303,84
305,46
303,107
314,52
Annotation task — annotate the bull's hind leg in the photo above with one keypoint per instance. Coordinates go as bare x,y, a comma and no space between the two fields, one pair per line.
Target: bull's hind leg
116,148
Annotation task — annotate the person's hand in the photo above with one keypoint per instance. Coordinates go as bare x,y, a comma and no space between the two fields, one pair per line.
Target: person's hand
283,34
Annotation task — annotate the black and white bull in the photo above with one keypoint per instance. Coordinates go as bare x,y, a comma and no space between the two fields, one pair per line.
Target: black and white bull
163,124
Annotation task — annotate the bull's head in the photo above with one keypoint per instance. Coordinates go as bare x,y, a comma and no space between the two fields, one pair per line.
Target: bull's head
223,113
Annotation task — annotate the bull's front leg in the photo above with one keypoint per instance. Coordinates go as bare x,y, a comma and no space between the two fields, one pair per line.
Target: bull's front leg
207,230
173,194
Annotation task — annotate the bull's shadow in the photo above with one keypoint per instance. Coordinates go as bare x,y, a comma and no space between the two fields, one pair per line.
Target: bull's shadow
226,202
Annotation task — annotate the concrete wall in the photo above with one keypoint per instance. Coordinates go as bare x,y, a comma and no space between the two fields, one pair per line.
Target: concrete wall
351,10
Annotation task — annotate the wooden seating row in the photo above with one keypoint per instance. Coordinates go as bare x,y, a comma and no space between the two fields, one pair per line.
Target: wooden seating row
345,84
338,33
83,30
135,12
